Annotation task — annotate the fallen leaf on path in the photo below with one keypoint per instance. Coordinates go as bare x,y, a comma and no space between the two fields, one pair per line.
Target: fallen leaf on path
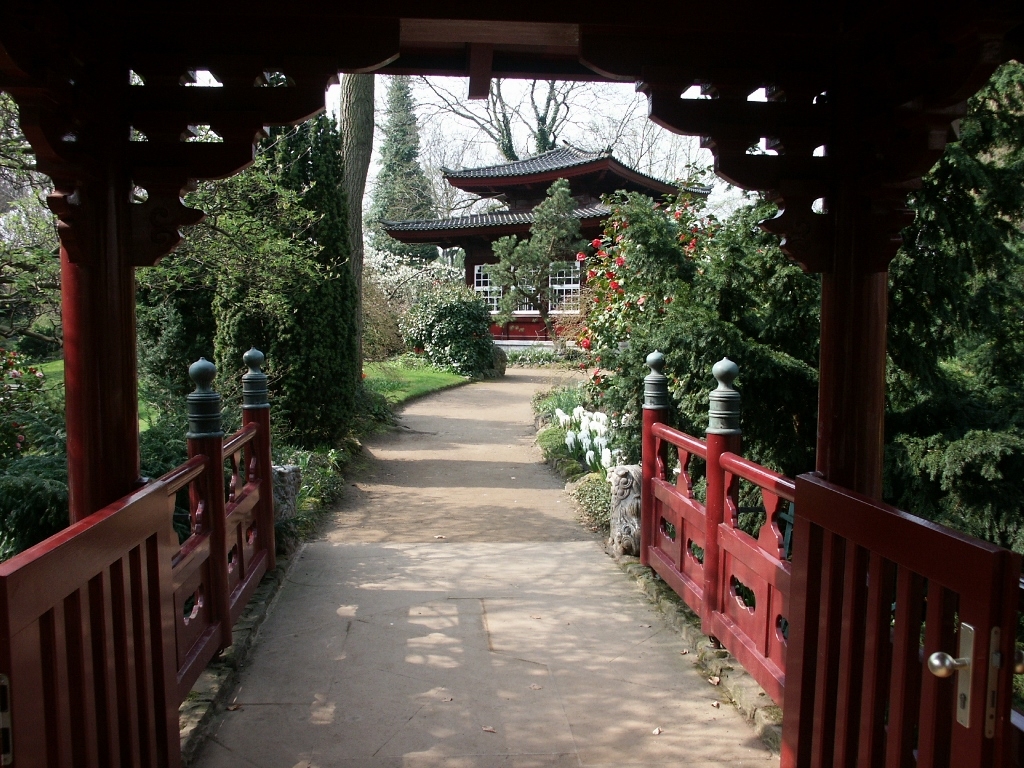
447,698
234,707
646,626
714,679
656,731
488,729
536,687
439,537
716,704
684,652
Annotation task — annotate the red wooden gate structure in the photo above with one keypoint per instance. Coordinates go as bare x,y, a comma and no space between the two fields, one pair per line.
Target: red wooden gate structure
842,636
105,627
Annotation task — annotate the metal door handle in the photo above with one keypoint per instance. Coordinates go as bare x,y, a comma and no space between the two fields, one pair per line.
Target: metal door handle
943,665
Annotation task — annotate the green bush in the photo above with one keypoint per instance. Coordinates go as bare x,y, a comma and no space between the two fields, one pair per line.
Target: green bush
451,326
537,355
33,502
594,497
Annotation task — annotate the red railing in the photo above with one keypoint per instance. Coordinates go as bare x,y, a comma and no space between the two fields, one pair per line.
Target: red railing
105,627
736,583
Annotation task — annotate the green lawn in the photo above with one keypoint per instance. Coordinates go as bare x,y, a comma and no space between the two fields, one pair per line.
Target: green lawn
399,383
54,372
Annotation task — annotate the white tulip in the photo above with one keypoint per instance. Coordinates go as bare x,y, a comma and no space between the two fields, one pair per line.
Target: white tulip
589,460
606,459
570,440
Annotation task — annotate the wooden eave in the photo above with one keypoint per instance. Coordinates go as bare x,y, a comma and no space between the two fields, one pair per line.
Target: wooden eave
458,237
491,186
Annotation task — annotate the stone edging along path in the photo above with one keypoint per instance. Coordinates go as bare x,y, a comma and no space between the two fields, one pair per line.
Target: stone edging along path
713,660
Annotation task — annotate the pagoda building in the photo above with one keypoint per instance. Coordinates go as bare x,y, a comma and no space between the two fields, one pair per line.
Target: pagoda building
521,185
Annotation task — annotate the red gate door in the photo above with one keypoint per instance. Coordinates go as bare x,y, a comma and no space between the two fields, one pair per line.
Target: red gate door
902,637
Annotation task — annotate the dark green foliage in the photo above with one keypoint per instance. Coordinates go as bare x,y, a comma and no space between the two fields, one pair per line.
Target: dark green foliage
594,499
33,502
451,325
955,446
744,301
309,330
524,267
401,190
175,328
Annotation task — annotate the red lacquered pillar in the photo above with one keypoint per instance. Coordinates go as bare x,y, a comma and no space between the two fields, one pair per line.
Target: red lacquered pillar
851,386
256,410
100,376
655,410
723,436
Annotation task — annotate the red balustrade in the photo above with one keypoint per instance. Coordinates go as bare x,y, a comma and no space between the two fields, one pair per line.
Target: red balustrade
736,583
105,627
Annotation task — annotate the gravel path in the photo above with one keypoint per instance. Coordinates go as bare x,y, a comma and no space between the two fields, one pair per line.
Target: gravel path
455,615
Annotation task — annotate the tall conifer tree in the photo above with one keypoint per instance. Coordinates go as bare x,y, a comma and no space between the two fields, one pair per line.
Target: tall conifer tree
401,190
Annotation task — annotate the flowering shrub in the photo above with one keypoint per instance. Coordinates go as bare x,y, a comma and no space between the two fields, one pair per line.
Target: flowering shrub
632,274
588,438
21,384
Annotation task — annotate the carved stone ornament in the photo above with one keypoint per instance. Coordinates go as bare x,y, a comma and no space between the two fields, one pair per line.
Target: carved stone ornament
626,481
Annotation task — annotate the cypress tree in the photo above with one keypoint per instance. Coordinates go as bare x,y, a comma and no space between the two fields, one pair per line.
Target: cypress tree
309,332
401,190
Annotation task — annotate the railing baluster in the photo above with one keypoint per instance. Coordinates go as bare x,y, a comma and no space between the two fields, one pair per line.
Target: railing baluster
723,435
655,411
256,410
206,438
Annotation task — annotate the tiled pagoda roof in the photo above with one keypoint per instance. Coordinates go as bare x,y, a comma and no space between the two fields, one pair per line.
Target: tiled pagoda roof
484,220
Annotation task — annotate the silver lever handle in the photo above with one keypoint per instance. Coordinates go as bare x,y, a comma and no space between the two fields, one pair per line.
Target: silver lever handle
943,665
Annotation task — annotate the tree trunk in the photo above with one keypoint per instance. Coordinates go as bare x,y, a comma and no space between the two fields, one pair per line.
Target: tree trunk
356,120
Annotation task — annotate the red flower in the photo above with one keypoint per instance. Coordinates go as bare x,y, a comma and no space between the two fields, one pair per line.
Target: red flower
585,343
597,299
620,262
614,285
668,299
591,273
679,215
596,242
602,254
581,256
610,275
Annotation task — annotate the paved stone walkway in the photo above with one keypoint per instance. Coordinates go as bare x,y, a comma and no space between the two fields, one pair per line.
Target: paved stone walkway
455,615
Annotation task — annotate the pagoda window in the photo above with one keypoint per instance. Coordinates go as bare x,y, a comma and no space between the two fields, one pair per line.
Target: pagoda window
484,288
565,289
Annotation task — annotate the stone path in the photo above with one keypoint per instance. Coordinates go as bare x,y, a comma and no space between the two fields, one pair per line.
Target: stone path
455,615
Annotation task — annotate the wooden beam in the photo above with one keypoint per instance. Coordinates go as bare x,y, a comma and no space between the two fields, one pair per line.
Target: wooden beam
433,31
481,59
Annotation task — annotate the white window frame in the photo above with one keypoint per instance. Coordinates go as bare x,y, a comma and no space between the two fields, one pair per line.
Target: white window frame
566,284
485,289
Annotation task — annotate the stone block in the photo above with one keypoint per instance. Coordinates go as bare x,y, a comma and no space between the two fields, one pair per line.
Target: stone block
287,482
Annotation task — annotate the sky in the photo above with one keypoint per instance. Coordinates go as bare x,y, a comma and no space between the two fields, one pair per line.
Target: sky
601,114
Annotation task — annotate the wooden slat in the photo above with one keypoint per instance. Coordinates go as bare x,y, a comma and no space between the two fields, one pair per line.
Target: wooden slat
55,688
145,667
829,635
877,661
124,658
28,710
937,694
851,655
104,666
81,686
905,686
801,661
